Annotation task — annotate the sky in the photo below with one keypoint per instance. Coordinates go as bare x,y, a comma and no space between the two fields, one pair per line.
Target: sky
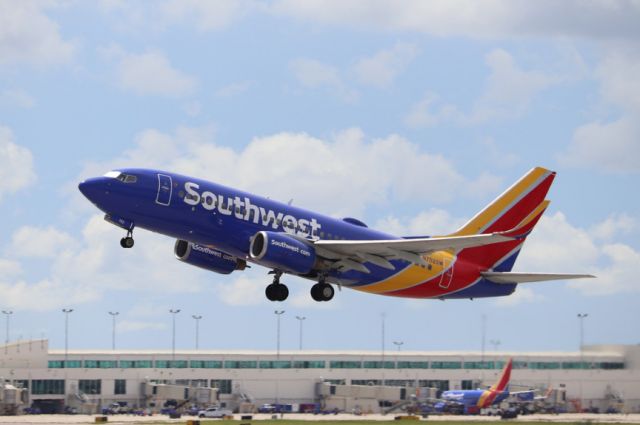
410,116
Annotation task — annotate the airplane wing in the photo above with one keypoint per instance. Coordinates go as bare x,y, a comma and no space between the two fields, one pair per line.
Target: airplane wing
351,254
515,277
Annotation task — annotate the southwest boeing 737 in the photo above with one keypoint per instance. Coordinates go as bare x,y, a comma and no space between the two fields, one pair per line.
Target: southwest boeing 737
473,400
220,229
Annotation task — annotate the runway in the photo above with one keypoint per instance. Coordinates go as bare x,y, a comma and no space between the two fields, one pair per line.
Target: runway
130,419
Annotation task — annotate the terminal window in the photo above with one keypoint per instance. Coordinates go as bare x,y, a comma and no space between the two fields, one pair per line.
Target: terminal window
135,364
120,386
47,386
336,364
90,386
240,364
281,364
413,365
223,385
446,365
379,365
100,364
310,364
205,364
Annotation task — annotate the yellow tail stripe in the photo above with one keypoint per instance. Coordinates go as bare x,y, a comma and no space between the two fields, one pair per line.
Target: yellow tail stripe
484,217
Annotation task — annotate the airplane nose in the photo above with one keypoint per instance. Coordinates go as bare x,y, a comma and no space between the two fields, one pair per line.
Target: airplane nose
92,188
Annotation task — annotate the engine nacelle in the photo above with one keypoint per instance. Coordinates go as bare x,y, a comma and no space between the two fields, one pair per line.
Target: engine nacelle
207,258
283,252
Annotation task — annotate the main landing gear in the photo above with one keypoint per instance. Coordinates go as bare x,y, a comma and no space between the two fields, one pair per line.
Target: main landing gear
127,241
322,291
276,291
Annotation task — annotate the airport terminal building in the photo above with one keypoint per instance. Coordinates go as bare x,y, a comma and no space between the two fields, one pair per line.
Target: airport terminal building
52,379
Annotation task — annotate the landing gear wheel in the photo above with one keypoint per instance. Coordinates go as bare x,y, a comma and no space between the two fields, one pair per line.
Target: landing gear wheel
276,292
127,242
283,292
322,292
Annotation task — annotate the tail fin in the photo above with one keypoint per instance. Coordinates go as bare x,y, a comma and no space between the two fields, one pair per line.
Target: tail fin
503,382
519,207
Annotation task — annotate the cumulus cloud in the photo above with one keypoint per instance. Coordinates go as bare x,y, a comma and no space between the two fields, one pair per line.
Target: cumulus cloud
314,74
149,73
523,295
558,246
17,170
36,242
612,144
201,15
381,69
137,326
28,36
508,92
467,18
426,223
303,161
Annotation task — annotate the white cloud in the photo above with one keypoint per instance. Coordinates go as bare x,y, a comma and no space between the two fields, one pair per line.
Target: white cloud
522,295
36,242
314,74
614,224
201,15
137,326
557,246
28,36
9,268
149,73
508,92
468,18
381,69
303,162
17,97
612,144
207,15
234,89
243,290
426,223
16,171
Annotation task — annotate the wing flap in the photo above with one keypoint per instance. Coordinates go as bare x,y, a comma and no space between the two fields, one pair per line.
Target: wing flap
389,248
515,277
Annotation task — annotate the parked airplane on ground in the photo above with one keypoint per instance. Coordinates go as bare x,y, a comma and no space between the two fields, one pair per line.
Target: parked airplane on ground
473,400
221,229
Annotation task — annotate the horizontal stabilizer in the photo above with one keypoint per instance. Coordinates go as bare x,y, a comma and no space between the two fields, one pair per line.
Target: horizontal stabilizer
514,277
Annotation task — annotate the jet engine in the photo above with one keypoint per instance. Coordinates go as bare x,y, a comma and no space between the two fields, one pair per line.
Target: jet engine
207,258
282,252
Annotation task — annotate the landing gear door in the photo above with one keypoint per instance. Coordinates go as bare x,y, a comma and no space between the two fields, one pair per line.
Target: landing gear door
164,190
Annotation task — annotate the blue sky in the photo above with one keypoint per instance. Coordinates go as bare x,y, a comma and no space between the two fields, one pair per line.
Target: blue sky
408,115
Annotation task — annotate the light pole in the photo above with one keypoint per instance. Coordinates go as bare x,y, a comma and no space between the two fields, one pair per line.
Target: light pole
113,315
581,317
66,312
173,335
197,318
8,313
278,313
300,319
495,343
398,344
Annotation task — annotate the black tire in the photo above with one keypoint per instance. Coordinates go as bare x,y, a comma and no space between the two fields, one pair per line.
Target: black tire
315,292
122,243
282,291
271,292
326,292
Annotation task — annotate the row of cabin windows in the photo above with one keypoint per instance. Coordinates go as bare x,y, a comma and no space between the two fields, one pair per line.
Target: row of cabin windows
321,364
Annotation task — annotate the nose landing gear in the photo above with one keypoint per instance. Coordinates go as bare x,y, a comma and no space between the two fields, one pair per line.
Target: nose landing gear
276,291
127,241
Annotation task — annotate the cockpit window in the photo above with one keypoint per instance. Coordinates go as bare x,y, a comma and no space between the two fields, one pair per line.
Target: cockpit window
125,178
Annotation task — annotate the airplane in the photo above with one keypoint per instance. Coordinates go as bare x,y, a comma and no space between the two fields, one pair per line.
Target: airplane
473,400
222,229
